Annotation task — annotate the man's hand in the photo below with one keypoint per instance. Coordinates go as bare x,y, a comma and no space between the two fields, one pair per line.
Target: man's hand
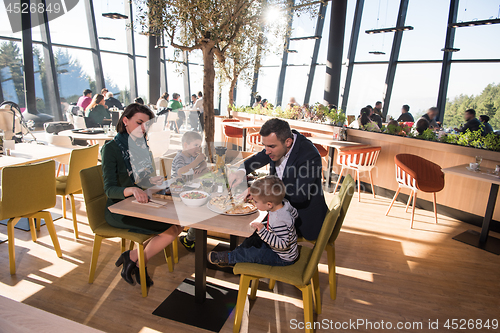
236,178
245,195
256,225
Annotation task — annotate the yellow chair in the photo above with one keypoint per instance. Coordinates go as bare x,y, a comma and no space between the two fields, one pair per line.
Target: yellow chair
344,198
26,191
69,185
303,274
95,204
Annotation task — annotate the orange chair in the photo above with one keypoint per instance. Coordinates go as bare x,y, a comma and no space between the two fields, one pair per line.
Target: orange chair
254,140
323,152
231,132
417,173
359,159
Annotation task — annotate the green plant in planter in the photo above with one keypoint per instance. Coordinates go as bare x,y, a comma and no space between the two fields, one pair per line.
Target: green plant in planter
450,138
336,116
428,135
319,112
491,141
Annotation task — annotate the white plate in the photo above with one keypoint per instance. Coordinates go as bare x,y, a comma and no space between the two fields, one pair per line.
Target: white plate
219,211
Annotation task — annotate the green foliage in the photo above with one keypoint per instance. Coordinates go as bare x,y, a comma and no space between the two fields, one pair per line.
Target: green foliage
428,135
487,103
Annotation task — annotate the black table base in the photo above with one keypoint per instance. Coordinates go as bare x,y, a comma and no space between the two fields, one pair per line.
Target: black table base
24,224
472,237
210,315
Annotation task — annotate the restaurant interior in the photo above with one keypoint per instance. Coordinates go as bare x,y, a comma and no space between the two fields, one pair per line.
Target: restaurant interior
409,239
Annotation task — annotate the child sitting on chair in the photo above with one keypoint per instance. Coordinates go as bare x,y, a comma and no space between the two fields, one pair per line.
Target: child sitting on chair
276,244
189,158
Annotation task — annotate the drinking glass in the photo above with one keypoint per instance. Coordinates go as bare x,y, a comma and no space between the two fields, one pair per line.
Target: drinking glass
106,129
479,159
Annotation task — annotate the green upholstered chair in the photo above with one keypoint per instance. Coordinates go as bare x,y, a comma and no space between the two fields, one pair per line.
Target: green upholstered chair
69,185
303,274
95,203
26,191
344,196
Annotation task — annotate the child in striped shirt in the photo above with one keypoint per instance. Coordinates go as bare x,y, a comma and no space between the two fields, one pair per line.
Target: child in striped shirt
276,244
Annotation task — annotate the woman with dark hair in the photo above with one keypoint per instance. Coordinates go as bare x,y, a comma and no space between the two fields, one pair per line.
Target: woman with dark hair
96,111
128,168
487,126
365,122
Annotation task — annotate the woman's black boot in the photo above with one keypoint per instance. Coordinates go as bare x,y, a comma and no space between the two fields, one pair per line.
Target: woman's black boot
149,281
128,267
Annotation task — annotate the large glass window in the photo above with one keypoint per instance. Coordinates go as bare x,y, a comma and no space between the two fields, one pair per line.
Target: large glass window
116,76
71,28
11,73
110,28
367,87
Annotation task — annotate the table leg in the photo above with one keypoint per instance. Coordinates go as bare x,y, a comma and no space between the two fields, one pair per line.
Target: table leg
331,152
233,242
200,266
481,240
244,144
489,213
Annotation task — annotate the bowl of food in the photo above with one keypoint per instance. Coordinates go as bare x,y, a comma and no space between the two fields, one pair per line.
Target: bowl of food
194,198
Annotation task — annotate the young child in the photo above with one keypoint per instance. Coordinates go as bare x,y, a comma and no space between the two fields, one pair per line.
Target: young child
190,157
277,241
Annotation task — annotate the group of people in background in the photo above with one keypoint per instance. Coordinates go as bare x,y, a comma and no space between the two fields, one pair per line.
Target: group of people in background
196,120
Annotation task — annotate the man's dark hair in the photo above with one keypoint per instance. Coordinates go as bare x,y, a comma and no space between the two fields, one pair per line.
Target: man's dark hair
278,127
484,118
369,107
139,100
258,98
471,111
86,92
200,94
406,107
378,102
194,95
422,125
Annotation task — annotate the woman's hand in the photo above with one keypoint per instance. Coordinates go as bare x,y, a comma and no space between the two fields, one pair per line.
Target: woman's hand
138,194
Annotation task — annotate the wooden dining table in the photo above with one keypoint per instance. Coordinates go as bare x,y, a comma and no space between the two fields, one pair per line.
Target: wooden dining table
93,138
332,146
200,218
480,240
244,126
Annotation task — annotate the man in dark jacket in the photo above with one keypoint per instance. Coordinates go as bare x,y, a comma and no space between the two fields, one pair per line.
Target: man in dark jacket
472,123
295,160
110,101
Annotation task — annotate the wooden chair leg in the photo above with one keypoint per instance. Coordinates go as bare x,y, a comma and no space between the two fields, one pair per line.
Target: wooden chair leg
64,206
240,303
52,230
175,250
316,292
253,291
393,200
73,212
131,246
142,270
168,257
12,252
271,284
308,308
58,169
413,209
338,180
32,229
95,255
332,276
371,183
435,208
409,200
38,225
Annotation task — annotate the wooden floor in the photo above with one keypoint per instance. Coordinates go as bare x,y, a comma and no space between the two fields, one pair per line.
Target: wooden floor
386,272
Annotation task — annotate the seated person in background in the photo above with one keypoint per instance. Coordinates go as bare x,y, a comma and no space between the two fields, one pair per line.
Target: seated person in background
374,116
162,104
421,126
139,100
393,123
378,109
258,99
190,157
405,114
96,111
176,105
277,241
487,126
365,122
264,103
104,91
430,117
111,102
85,100
292,103
472,123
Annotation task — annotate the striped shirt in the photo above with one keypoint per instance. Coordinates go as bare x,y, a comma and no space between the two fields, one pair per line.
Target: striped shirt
281,236
180,160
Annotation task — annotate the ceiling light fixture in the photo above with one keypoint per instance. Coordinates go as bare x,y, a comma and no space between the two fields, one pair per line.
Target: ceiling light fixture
115,16
474,23
377,52
377,31
450,49
106,38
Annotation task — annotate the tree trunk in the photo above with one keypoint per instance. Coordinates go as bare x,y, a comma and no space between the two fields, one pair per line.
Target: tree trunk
208,93
231,95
